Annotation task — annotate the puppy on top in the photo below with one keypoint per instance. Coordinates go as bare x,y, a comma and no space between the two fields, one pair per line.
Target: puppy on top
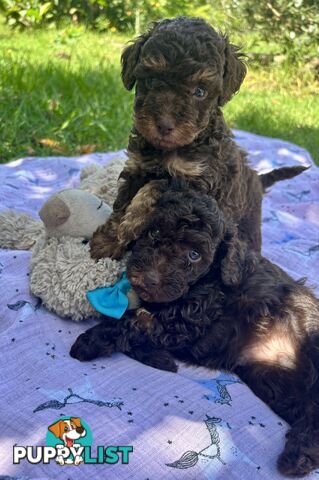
184,72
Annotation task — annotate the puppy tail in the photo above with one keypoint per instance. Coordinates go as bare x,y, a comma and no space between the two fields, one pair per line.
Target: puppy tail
278,174
18,231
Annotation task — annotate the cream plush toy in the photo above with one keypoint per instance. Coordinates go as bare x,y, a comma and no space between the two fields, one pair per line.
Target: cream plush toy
61,269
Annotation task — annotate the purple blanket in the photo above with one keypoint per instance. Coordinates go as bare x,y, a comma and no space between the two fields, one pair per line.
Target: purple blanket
196,424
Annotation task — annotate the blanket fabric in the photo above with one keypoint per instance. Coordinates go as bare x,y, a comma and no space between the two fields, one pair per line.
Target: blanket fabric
196,424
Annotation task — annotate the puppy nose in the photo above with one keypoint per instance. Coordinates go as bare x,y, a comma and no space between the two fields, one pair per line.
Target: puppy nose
151,279
165,126
79,429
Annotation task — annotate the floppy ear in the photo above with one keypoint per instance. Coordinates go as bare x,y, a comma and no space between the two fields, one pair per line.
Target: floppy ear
233,265
234,72
56,428
130,58
76,421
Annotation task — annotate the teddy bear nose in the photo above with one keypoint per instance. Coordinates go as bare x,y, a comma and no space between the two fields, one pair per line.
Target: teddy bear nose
151,279
165,126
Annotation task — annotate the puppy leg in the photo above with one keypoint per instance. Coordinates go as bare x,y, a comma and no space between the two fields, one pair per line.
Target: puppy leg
94,343
130,335
293,393
110,336
153,357
286,395
301,453
277,387
105,242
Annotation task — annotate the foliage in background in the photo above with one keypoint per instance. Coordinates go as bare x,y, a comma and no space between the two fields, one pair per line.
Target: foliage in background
292,24
61,94
33,13
60,91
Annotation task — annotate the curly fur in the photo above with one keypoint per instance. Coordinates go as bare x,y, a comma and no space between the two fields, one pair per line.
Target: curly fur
224,308
132,221
179,134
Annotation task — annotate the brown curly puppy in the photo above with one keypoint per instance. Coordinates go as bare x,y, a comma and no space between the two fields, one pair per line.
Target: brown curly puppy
208,300
184,73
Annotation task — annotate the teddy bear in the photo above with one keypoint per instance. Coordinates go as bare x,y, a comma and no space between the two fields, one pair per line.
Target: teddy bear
62,273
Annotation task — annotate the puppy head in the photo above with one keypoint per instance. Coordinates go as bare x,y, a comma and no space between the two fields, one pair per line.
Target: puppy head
183,70
177,245
68,430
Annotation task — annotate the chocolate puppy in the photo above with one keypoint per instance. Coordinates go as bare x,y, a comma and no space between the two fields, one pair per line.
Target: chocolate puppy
209,300
184,72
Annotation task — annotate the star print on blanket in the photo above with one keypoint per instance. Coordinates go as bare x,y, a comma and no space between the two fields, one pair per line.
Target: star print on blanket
196,424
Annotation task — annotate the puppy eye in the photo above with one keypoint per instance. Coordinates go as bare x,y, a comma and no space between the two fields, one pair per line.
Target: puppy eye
199,92
154,234
66,429
194,256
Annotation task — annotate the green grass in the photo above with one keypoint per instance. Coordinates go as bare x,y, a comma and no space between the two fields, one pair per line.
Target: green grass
61,93
278,102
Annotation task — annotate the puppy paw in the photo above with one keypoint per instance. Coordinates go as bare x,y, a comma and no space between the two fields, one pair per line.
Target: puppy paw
106,250
82,349
300,456
106,244
100,250
295,464
164,361
87,347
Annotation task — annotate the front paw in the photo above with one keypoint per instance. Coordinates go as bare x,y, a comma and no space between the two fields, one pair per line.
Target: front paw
83,348
87,347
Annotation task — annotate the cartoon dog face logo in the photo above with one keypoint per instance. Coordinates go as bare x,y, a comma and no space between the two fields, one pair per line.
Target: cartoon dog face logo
68,431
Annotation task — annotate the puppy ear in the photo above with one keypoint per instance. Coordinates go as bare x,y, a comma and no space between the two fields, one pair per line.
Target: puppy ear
130,58
234,72
56,428
234,262
76,421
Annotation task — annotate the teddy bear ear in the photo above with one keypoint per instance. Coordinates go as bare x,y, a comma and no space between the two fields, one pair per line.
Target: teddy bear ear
54,212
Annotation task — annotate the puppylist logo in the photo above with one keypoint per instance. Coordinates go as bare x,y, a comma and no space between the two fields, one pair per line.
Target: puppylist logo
69,442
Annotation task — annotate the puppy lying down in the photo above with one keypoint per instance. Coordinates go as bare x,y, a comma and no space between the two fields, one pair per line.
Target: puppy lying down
209,301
